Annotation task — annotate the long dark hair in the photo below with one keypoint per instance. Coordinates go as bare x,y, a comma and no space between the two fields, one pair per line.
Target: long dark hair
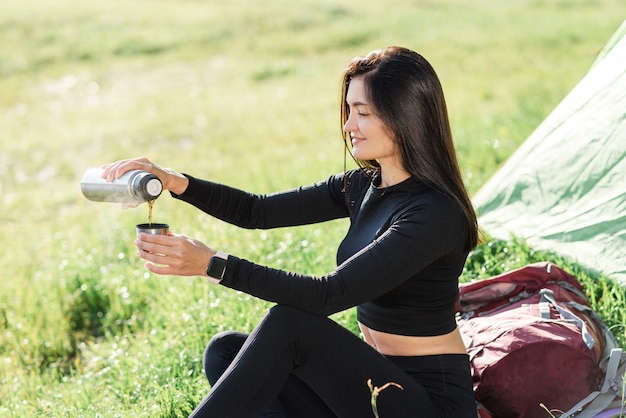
407,95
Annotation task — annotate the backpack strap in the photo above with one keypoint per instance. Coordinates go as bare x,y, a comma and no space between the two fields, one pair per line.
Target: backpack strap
547,296
609,339
611,388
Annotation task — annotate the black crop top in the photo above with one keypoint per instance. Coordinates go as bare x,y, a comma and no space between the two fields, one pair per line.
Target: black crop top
399,263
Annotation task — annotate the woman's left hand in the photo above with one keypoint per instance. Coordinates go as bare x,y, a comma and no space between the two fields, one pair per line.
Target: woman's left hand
174,254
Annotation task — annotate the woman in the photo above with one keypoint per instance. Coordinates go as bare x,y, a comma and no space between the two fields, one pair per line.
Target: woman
411,227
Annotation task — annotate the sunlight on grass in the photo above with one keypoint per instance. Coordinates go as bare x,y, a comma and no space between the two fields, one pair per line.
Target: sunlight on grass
240,92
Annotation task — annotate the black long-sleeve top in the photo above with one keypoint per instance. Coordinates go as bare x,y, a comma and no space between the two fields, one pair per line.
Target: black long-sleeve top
399,263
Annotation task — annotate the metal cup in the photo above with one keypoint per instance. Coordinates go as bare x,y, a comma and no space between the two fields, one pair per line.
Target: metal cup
153,228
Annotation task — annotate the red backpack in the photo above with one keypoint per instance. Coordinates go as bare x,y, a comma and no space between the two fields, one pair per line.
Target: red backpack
533,340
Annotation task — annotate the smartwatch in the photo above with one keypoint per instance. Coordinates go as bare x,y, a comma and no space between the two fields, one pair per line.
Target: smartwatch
217,267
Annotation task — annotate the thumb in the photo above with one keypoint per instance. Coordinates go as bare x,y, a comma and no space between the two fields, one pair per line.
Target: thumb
129,205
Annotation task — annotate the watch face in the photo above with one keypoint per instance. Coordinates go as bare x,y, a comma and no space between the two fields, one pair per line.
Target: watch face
216,268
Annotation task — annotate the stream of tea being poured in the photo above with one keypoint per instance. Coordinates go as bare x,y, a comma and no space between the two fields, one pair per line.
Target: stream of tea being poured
150,206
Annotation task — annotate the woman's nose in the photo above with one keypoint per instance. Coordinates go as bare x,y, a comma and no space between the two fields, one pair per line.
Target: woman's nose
349,125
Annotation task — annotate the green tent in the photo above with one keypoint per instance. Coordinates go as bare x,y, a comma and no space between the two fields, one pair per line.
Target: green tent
564,189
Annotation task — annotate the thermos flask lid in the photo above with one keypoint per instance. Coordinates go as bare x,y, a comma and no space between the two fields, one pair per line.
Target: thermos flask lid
154,187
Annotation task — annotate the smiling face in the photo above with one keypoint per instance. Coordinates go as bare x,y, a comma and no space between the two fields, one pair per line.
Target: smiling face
395,122
369,135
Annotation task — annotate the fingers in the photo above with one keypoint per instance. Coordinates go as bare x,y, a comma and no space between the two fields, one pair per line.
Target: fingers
116,169
171,179
155,244
173,254
163,270
129,205
158,255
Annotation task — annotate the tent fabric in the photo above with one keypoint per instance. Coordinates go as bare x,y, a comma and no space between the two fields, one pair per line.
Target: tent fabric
564,188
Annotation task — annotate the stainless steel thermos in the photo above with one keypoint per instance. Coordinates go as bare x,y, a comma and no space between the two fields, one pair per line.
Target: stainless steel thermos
135,186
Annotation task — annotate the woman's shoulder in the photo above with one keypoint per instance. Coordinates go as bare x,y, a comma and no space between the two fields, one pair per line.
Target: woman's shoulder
354,179
435,204
362,175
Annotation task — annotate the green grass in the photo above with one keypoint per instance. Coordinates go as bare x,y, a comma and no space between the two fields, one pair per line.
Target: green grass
241,92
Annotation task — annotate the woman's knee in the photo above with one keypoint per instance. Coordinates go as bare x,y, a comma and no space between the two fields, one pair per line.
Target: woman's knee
220,352
281,323
288,316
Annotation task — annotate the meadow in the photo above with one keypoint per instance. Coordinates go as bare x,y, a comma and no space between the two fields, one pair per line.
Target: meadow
240,92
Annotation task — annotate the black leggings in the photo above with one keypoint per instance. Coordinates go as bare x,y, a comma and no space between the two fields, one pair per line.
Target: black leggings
299,365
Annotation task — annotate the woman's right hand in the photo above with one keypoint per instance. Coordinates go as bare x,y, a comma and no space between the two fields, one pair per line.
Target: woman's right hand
172,180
